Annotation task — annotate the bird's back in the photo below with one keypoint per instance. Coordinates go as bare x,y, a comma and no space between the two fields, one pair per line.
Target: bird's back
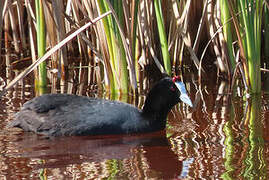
63,114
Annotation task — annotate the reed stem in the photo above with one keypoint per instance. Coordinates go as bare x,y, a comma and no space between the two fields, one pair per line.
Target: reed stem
41,43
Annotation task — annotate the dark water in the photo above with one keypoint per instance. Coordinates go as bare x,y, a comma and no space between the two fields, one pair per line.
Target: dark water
223,137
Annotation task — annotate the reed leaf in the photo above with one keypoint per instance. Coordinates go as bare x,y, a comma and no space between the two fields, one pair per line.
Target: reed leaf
57,8
251,14
118,47
1,19
133,38
120,53
266,33
109,38
32,34
227,31
162,36
13,23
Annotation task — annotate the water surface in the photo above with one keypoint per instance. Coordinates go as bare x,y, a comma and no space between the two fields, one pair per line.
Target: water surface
223,137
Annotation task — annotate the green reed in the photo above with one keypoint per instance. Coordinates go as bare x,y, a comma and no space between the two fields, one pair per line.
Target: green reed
251,35
41,43
119,78
266,33
227,31
162,36
247,20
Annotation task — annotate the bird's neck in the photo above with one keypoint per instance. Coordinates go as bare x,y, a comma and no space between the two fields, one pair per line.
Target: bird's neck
155,109
157,119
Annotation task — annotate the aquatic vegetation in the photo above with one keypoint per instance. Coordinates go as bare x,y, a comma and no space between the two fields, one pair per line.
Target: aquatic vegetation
116,51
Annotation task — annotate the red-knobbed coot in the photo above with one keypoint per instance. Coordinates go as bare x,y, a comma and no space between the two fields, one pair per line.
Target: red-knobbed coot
67,115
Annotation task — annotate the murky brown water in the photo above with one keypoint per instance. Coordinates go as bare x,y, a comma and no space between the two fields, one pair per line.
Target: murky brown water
222,138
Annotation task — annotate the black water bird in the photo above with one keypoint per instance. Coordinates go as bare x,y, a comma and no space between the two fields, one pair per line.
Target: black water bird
68,115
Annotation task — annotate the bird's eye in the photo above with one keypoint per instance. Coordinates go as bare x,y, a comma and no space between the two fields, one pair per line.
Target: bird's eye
172,88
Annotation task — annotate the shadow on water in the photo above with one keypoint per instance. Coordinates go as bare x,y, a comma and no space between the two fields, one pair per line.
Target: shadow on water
224,136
